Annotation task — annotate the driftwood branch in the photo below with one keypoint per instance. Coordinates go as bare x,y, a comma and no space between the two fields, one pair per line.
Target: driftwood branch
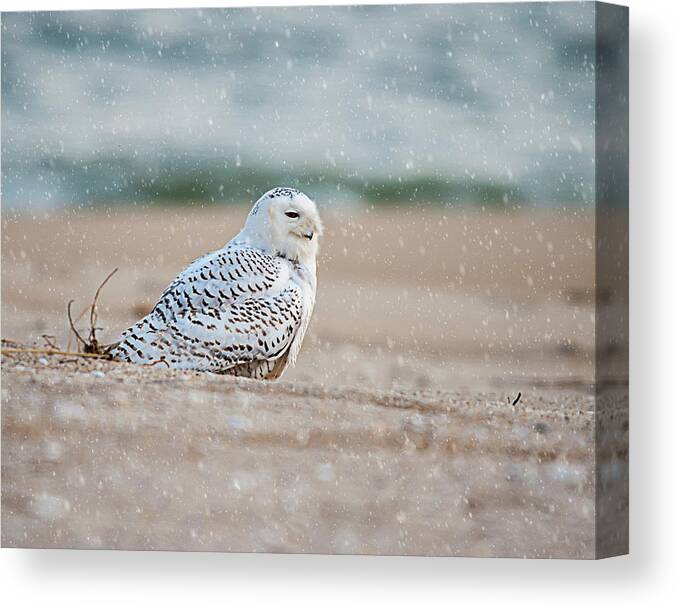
11,350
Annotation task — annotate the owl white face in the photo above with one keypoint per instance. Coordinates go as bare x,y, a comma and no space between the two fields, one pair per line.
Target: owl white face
289,221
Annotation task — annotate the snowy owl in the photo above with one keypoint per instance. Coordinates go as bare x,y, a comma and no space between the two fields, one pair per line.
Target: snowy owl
243,309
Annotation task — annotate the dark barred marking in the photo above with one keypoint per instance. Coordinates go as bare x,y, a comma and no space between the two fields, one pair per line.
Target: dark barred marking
283,192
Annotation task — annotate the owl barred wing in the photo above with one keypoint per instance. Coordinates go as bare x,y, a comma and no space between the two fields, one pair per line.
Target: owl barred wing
225,310
212,282
247,331
219,279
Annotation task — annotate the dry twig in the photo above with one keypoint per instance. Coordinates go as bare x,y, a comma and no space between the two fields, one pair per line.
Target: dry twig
91,346
50,341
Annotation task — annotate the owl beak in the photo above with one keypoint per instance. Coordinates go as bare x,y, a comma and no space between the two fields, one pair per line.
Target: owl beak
309,235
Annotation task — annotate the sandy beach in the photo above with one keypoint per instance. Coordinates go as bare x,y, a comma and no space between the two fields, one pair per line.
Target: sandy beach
394,434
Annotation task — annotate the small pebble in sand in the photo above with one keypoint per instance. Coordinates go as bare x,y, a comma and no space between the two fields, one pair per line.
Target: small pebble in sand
52,450
239,423
541,428
43,361
325,472
98,373
418,431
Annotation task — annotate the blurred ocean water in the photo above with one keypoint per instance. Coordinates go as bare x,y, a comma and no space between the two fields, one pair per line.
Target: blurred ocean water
483,104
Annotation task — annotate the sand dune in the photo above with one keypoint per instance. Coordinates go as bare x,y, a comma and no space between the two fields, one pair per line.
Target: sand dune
104,455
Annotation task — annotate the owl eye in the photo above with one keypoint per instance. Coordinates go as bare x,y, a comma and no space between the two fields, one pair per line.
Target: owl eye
292,214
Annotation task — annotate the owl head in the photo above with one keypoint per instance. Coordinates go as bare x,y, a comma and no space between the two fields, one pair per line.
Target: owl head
285,221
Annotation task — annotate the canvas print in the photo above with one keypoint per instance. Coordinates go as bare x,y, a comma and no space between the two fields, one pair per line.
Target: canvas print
344,280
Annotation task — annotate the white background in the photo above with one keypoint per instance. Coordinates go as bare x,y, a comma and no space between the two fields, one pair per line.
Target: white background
648,577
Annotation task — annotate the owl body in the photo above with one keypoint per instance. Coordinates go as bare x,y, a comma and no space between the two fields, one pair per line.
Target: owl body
243,309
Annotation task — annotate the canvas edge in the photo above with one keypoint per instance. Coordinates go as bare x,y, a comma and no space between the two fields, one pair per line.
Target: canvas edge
611,467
